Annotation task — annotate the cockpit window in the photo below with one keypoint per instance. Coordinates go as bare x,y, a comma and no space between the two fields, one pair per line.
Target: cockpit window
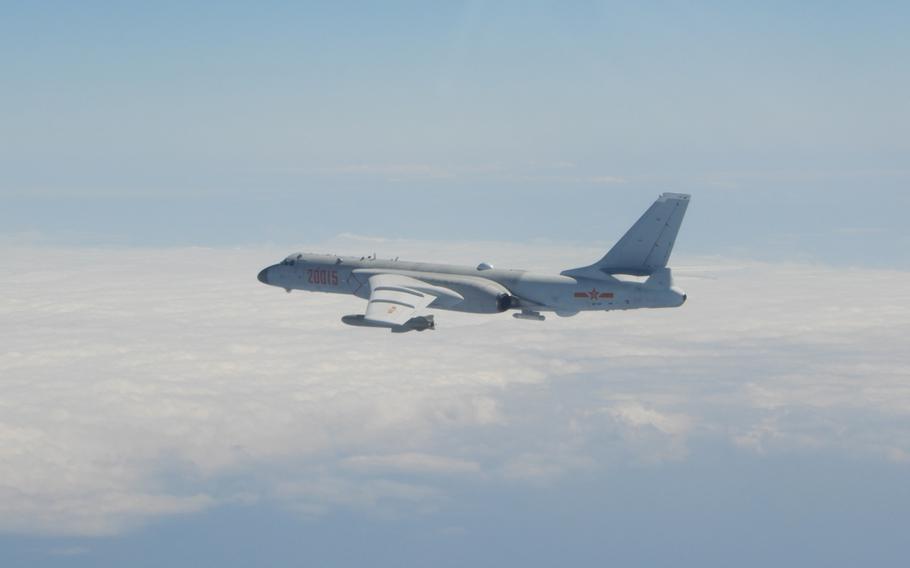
292,259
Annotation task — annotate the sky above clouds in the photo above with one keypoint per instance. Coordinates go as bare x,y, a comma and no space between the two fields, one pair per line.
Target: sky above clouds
176,123
160,406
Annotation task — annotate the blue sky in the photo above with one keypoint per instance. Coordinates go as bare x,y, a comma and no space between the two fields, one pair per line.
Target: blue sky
127,123
161,153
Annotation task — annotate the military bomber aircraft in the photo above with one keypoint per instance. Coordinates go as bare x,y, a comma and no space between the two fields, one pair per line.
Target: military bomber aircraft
399,292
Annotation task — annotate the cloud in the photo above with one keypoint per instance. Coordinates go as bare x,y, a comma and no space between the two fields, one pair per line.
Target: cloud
378,497
399,171
557,179
144,383
70,551
412,462
556,172
636,416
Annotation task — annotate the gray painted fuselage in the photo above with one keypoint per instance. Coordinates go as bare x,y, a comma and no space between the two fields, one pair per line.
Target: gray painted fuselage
398,290
479,287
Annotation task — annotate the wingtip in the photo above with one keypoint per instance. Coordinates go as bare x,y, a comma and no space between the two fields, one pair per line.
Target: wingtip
666,196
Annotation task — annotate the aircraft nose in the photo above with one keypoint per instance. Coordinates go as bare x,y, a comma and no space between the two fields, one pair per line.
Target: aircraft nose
263,276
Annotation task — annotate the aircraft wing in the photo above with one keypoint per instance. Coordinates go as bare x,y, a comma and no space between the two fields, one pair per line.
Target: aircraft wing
395,298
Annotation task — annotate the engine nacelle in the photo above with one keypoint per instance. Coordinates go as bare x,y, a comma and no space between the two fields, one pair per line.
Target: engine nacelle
506,301
484,296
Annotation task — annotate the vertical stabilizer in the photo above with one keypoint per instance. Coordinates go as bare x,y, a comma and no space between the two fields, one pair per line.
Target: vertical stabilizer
645,247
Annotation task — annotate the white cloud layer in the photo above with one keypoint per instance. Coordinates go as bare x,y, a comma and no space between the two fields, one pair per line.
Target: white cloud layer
139,383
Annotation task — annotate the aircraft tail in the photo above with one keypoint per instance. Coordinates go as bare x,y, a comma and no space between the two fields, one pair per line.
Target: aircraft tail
646,247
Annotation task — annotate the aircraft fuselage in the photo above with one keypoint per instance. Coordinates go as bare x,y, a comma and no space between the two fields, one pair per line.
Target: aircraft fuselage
481,289
398,291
